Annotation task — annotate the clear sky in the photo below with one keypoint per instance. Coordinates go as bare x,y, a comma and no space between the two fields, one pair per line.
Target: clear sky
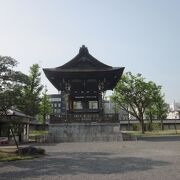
141,35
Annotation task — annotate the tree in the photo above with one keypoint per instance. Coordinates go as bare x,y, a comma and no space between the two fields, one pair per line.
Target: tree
11,83
150,114
161,110
6,72
134,95
158,109
45,107
30,101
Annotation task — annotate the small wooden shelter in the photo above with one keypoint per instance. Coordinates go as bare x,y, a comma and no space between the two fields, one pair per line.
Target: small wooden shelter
19,122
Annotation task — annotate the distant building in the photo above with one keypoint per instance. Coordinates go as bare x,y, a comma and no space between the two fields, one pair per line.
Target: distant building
174,111
175,106
58,103
110,109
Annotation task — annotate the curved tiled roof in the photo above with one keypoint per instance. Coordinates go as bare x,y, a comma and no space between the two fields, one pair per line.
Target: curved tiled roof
84,66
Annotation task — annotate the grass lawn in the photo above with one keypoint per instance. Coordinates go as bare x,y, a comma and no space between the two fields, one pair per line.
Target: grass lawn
154,133
9,154
37,133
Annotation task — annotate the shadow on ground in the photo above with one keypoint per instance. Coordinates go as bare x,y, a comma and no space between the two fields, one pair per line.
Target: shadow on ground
62,163
160,138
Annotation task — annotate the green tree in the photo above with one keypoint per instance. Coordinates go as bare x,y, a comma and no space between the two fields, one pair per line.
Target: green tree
159,109
150,114
30,101
11,83
8,76
45,107
134,95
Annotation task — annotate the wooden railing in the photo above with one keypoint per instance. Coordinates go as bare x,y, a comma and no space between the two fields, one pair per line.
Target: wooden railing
70,118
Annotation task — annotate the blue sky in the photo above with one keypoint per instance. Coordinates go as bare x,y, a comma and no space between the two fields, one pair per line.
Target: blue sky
141,35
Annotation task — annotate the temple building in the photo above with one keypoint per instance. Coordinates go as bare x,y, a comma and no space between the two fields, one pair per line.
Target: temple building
83,80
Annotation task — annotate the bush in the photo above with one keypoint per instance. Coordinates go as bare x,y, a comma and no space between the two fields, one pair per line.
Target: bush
153,126
30,150
40,151
136,127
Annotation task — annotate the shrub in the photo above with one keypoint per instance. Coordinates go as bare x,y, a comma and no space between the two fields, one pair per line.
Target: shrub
30,150
153,126
40,151
136,127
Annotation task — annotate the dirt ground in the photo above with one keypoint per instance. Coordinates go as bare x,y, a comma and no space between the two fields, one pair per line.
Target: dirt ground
151,159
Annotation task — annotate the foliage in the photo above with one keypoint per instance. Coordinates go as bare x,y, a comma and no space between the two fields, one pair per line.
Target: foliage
45,107
11,83
115,107
30,101
31,150
162,109
159,109
153,126
136,127
38,132
10,154
6,70
16,158
134,95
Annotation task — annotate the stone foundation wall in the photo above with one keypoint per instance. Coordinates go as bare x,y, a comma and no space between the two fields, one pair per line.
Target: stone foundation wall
84,132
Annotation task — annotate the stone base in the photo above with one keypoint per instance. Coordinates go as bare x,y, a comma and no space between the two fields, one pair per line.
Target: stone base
84,132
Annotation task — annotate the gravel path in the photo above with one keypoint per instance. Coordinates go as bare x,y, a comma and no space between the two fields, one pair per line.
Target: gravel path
136,160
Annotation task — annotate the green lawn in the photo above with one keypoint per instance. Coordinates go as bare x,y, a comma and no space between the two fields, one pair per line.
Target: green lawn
15,158
154,133
37,133
9,154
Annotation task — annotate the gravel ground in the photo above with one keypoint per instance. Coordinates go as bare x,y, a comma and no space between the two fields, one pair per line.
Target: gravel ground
131,160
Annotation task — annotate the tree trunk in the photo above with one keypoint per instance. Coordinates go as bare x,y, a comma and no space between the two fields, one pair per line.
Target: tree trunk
128,123
142,126
162,125
15,140
44,122
151,118
10,128
141,119
150,122
175,126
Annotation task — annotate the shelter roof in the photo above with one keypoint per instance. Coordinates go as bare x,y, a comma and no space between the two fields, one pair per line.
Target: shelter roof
83,61
84,66
16,114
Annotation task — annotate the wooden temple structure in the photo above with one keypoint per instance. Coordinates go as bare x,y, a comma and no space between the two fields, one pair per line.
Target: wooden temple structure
83,80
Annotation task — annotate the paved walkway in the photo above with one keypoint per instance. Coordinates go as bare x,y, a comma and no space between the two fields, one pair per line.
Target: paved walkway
140,160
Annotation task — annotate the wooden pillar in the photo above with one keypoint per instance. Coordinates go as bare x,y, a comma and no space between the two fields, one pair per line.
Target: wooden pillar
27,130
100,103
68,105
85,103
